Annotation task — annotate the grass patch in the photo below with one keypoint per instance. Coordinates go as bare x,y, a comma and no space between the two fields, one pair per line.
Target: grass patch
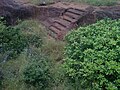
101,2
90,2
96,2
54,49
40,1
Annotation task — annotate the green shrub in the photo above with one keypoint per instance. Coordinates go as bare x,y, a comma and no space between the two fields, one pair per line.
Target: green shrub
93,56
37,72
11,40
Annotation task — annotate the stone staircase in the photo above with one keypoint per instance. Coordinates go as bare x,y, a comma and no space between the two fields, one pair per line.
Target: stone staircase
58,27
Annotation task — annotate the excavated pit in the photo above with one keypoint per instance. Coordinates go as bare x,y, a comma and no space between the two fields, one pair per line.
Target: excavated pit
59,18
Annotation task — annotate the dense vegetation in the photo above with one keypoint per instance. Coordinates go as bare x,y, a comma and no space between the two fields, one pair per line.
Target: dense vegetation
89,59
92,59
93,56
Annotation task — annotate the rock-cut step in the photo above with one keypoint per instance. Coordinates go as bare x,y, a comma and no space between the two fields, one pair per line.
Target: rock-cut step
75,11
58,27
55,32
63,22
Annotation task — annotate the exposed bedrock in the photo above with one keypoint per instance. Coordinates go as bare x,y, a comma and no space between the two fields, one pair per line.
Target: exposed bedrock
97,13
11,11
112,12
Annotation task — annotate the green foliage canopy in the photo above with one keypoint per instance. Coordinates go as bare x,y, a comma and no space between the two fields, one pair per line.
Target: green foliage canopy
93,55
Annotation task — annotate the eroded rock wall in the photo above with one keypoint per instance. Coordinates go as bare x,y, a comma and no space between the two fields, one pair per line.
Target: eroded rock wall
97,13
11,11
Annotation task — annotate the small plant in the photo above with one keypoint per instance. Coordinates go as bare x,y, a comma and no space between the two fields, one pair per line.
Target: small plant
93,56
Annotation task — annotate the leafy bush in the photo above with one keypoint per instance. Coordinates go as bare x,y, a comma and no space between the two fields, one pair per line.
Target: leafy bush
37,72
11,40
93,55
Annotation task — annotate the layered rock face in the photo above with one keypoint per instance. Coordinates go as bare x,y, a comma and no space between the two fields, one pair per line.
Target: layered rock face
11,11
97,13
112,12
